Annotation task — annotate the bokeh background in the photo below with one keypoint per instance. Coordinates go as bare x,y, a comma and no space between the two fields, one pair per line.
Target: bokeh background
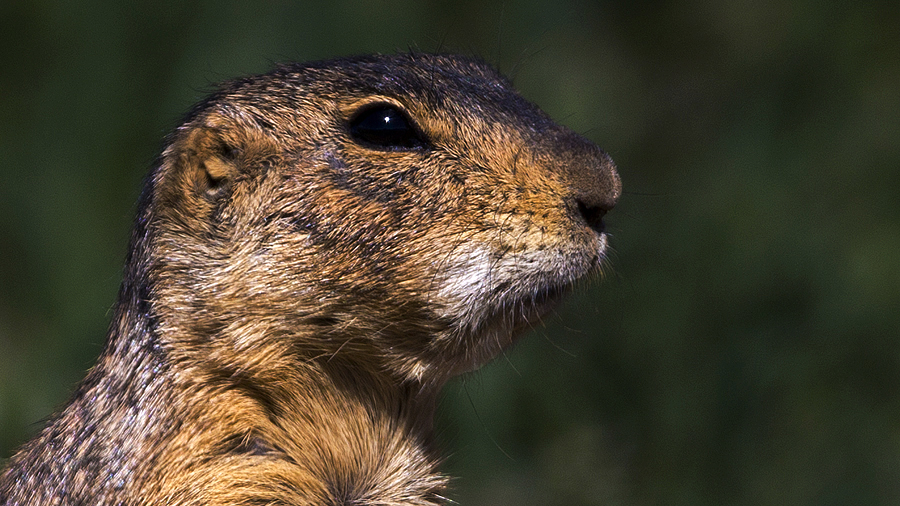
743,347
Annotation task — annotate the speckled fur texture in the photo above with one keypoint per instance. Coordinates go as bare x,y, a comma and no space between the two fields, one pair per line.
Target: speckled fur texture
295,297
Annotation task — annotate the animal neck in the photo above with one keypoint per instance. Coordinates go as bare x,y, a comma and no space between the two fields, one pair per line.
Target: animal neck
348,434
328,431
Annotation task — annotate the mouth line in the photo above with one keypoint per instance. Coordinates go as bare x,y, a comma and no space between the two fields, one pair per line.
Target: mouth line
535,305
549,295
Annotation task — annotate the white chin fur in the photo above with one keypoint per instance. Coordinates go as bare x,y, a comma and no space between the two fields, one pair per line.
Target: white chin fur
475,283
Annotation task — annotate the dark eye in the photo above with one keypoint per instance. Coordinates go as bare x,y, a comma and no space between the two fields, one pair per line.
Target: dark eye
385,126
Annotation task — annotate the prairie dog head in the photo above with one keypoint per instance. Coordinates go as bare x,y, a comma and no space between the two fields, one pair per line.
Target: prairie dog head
410,214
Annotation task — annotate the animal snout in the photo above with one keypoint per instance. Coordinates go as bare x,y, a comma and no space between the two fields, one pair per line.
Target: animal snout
593,181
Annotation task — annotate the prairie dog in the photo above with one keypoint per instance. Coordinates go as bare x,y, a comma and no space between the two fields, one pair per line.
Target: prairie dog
316,252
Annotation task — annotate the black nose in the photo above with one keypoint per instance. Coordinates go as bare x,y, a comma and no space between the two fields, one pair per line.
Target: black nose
593,215
591,177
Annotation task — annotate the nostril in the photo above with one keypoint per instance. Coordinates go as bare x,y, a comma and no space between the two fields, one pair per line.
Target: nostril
593,215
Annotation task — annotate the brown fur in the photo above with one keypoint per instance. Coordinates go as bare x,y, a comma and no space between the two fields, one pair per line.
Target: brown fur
295,298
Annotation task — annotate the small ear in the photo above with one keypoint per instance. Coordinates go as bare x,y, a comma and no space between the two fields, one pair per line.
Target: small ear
208,162
218,173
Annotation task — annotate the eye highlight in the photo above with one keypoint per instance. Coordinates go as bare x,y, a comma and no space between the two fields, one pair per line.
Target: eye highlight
387,127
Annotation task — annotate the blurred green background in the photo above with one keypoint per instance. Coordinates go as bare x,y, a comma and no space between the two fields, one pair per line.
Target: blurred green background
742,349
